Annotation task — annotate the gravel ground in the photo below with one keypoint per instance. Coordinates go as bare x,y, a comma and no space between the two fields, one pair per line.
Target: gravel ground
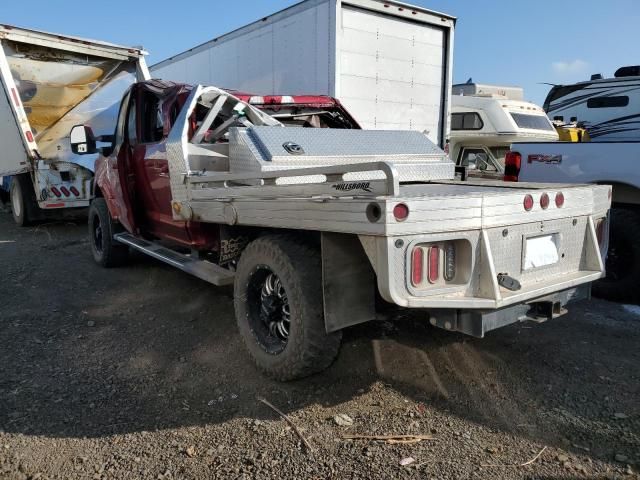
139,373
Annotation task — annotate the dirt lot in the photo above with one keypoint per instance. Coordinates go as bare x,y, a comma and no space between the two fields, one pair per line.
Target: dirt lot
139,373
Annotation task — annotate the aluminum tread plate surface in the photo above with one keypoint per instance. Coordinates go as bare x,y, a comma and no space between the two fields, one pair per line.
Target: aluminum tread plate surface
260,149
328,142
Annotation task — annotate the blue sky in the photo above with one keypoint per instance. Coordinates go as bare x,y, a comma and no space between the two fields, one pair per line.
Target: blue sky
509,42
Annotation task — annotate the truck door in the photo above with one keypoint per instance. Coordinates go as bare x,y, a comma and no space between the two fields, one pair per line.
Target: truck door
117,175
152,169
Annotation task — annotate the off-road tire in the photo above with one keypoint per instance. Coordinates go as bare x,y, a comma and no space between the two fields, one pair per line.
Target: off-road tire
623,264
106,251
309,349
24,205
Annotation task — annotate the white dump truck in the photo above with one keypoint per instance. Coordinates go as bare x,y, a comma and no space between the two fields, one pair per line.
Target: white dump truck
308,223
50,83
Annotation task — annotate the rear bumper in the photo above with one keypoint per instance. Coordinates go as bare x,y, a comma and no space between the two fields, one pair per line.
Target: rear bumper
492,253
478,322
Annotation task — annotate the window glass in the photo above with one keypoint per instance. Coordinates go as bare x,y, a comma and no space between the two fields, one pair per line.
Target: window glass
499,154
122,116
152,121
608,102
466,121
477,159
532,122
131,124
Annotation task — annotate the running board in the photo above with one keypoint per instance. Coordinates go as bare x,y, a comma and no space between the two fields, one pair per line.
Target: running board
207,271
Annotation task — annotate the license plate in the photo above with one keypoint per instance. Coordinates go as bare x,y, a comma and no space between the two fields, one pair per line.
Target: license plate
540,252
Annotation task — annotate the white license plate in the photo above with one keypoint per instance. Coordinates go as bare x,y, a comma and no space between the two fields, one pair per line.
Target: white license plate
540,252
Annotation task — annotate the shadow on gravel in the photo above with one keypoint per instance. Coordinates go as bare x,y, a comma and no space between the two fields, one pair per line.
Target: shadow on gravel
88,352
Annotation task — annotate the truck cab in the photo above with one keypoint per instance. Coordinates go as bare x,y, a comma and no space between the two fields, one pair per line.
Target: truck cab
146,115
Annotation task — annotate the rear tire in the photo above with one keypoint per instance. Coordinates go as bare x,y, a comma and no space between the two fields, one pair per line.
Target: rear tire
106,251
279,308
24,205
623,261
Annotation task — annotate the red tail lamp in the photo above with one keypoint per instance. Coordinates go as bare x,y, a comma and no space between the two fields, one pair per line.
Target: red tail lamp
528,203
434,264
544,201
417,266
401,212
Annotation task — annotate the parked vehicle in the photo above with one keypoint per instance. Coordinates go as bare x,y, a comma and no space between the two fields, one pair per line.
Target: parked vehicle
389,63
486,120
609,108
307,223
611,163
49,83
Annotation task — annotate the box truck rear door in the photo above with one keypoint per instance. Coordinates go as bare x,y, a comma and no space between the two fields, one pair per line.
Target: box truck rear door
392,71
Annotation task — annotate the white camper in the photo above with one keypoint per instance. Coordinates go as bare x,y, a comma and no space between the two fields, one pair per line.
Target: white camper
50,83
389,63
486,120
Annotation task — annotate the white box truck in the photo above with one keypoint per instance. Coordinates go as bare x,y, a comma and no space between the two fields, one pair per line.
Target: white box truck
50,83
389,63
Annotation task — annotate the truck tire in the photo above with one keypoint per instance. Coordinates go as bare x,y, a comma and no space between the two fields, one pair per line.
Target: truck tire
24,205
279,308
106,251
623,261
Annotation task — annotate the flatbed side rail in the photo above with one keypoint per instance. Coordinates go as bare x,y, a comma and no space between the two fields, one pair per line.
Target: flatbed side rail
313,181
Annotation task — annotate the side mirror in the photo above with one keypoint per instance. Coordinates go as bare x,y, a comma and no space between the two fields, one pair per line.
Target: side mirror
83,142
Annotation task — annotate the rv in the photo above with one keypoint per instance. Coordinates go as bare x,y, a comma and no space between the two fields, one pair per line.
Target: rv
486,120
608,108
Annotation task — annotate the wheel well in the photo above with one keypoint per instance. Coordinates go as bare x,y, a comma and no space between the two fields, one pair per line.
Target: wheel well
97,193
624,195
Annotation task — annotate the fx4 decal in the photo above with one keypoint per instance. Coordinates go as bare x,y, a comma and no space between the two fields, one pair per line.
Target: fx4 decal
549,159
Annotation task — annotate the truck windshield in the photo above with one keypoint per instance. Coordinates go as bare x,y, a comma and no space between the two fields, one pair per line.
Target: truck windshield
532,122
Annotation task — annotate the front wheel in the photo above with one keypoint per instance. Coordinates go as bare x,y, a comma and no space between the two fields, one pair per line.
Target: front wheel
279,308
622,282
106,251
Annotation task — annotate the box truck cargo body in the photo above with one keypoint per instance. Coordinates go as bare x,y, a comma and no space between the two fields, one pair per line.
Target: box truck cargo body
389,63
49,83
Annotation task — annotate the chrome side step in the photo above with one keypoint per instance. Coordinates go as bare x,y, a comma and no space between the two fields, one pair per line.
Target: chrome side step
207,271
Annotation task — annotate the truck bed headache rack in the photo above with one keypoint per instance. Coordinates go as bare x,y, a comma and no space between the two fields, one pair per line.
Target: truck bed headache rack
332,181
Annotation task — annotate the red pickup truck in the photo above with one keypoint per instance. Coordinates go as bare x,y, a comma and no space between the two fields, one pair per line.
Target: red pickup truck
309,223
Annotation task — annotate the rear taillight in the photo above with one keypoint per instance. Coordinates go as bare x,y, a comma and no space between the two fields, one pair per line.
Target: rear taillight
29,136
528,203
417,266
512,164
75,191
56,192
544,201
559,199
444,264
401,212
434,264
65,191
